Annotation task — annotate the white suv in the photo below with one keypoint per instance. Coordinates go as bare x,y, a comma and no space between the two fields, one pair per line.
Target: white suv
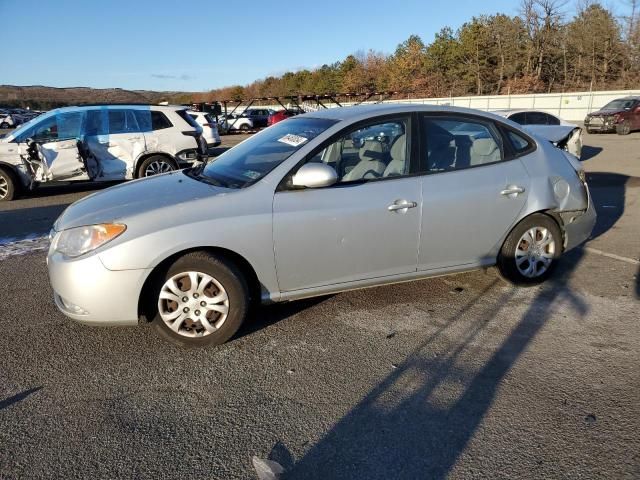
209,127
98,143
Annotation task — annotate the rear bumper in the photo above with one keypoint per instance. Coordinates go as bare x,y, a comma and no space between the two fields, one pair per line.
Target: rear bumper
579,225
87,292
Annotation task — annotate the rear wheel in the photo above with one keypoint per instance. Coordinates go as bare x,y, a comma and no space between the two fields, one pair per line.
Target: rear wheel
4,125
201,300
530,252
244,127
623,128
8,185
155,165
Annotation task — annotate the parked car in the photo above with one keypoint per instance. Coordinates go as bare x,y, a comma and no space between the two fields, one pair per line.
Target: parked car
98,143
298,211
563,134
278,116
6,119
235,122
621,116
209,127
259,116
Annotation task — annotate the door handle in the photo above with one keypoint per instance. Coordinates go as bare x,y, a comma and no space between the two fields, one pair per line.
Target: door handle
401,206
512,190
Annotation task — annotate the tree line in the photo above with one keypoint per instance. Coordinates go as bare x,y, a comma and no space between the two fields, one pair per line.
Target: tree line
544,48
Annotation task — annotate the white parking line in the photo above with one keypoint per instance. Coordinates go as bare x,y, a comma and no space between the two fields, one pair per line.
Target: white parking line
632,261
10,247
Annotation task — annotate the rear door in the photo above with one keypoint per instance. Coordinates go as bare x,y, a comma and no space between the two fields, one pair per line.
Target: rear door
472,192
115,139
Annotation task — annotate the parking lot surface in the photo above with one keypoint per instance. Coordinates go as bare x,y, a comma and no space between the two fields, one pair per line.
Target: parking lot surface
461,376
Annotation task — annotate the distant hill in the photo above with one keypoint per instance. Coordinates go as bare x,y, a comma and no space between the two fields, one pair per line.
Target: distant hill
40,97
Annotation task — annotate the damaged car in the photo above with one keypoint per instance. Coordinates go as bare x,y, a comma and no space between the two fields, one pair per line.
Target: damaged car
301,210
621,116
98,143
564,135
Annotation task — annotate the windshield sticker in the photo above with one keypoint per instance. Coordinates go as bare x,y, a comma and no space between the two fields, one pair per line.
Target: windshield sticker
252,174
293,140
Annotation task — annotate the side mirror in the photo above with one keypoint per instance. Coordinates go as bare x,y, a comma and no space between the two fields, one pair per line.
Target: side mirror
315,175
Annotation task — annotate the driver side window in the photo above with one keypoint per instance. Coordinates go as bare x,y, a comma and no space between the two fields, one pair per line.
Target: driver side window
370,152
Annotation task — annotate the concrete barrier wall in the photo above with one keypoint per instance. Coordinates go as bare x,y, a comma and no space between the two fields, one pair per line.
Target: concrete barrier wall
572,106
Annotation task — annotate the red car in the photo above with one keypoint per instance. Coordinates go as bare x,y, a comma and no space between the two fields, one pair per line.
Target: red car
282,115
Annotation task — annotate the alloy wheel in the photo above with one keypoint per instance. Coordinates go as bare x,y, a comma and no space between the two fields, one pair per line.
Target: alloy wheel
4,187
535,252
193,304
156,167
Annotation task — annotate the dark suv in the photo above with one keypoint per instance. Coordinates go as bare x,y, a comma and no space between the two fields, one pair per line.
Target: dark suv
259,116
621,115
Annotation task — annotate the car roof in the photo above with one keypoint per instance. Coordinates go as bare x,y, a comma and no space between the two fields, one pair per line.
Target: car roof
365,111
118,106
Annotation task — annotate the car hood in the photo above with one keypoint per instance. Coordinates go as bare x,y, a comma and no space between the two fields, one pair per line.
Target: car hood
553,133
598,113
121,202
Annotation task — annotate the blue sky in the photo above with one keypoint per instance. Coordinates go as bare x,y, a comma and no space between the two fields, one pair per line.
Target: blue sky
198,45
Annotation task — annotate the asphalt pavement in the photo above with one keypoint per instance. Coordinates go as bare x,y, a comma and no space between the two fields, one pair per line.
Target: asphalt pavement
453,377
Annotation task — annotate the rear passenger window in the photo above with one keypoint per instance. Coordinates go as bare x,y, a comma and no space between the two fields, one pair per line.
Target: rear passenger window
520,118
159,121
519,143
458,143
122,121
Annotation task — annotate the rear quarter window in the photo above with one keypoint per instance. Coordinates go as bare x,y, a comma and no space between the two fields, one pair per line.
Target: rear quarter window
160,121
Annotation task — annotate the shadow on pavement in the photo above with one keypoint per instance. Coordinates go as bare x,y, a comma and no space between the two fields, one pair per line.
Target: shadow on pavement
589,152
7,402
402,429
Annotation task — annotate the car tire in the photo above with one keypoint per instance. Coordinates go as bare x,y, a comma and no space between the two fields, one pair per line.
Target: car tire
8,185
244,127
156,164
209,313
590,131
531,251
623,128
4,125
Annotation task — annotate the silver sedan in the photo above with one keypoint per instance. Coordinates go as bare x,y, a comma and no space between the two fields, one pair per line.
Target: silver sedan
320,203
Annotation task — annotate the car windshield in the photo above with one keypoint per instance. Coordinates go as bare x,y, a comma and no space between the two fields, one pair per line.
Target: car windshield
619,104
254,158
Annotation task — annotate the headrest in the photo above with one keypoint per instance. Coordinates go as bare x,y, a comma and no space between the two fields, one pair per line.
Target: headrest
484,146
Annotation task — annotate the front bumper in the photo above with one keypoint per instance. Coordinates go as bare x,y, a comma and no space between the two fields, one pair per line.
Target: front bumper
604,127
86,291
579,225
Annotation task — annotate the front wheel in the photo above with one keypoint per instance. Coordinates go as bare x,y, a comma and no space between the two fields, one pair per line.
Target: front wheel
4,125
530,252
155,165
623,128
201,300
244,127
8,186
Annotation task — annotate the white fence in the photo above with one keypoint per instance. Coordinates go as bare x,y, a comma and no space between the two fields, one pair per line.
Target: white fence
572,106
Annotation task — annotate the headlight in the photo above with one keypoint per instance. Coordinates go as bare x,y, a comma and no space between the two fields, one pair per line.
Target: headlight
80,240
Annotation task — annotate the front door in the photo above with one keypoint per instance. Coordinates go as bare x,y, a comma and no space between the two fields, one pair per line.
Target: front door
471,194
365,226
58,139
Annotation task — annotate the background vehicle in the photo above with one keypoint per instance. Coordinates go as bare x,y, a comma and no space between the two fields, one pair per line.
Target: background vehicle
209,127
564,135
283,114
98,143
234,122
621,116
451,190
259,116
